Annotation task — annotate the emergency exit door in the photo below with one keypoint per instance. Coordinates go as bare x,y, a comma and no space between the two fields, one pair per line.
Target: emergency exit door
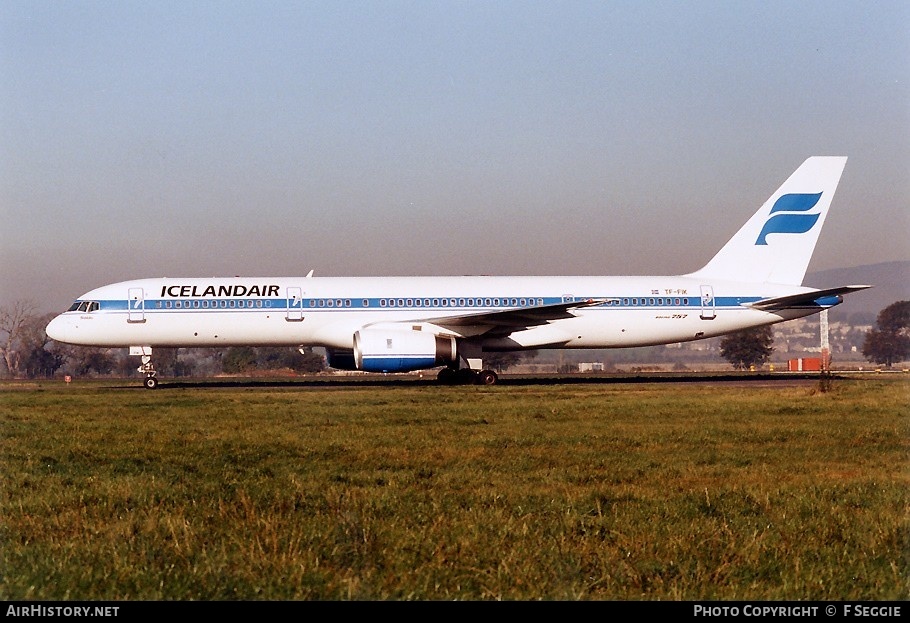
295,305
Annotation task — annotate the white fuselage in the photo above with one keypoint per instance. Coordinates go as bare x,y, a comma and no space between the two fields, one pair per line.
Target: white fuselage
327,311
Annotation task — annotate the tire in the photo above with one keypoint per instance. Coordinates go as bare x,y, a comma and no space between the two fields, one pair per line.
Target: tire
151,382
446,376
466,376
487,377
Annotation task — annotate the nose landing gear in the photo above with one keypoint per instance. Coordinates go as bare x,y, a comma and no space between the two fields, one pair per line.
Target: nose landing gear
148,368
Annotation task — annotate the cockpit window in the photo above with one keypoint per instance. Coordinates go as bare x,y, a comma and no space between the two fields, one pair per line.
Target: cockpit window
85,306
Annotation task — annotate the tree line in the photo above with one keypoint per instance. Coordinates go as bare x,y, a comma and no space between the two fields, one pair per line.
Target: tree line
888,342
27,351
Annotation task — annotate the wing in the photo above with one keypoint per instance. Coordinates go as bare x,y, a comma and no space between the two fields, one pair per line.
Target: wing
503,322
816,298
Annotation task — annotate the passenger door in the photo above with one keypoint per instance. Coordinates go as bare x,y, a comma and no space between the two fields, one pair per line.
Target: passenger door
136,305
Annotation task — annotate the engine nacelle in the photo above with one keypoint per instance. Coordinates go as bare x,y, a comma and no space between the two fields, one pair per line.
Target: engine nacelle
385,350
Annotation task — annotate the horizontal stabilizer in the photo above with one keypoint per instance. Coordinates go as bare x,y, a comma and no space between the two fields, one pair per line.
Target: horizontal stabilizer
816,298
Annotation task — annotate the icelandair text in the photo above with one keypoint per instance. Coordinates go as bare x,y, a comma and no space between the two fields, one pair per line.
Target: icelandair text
223,290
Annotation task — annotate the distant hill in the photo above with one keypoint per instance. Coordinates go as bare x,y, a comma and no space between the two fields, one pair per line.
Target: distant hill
890,281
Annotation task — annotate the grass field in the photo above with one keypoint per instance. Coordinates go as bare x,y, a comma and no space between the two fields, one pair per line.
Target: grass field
644,491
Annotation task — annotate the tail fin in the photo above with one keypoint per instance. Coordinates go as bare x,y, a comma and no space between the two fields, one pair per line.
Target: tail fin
776,244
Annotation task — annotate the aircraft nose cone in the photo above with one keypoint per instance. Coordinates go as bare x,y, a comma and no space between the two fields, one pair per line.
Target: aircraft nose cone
56,329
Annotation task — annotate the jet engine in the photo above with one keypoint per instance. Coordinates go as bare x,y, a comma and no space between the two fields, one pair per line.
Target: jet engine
385,350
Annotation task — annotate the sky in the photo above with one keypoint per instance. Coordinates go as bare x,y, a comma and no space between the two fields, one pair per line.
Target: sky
266,138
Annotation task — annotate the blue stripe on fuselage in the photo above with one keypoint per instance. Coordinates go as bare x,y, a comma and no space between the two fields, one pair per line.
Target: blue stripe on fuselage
459,304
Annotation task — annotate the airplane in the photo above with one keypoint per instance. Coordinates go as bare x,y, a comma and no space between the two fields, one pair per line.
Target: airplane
404,324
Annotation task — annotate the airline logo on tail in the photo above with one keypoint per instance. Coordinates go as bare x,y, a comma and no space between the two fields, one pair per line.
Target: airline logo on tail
790,219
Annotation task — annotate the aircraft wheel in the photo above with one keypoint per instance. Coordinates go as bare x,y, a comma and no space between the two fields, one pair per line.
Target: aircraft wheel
487,377
446,376
151,382
466,376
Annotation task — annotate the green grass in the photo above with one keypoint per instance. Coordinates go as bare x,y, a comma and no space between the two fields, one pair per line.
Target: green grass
584,491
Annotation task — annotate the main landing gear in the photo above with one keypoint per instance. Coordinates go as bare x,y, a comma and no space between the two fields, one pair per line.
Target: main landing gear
466,376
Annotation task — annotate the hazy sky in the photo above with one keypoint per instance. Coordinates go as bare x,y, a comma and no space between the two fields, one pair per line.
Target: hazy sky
191,138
